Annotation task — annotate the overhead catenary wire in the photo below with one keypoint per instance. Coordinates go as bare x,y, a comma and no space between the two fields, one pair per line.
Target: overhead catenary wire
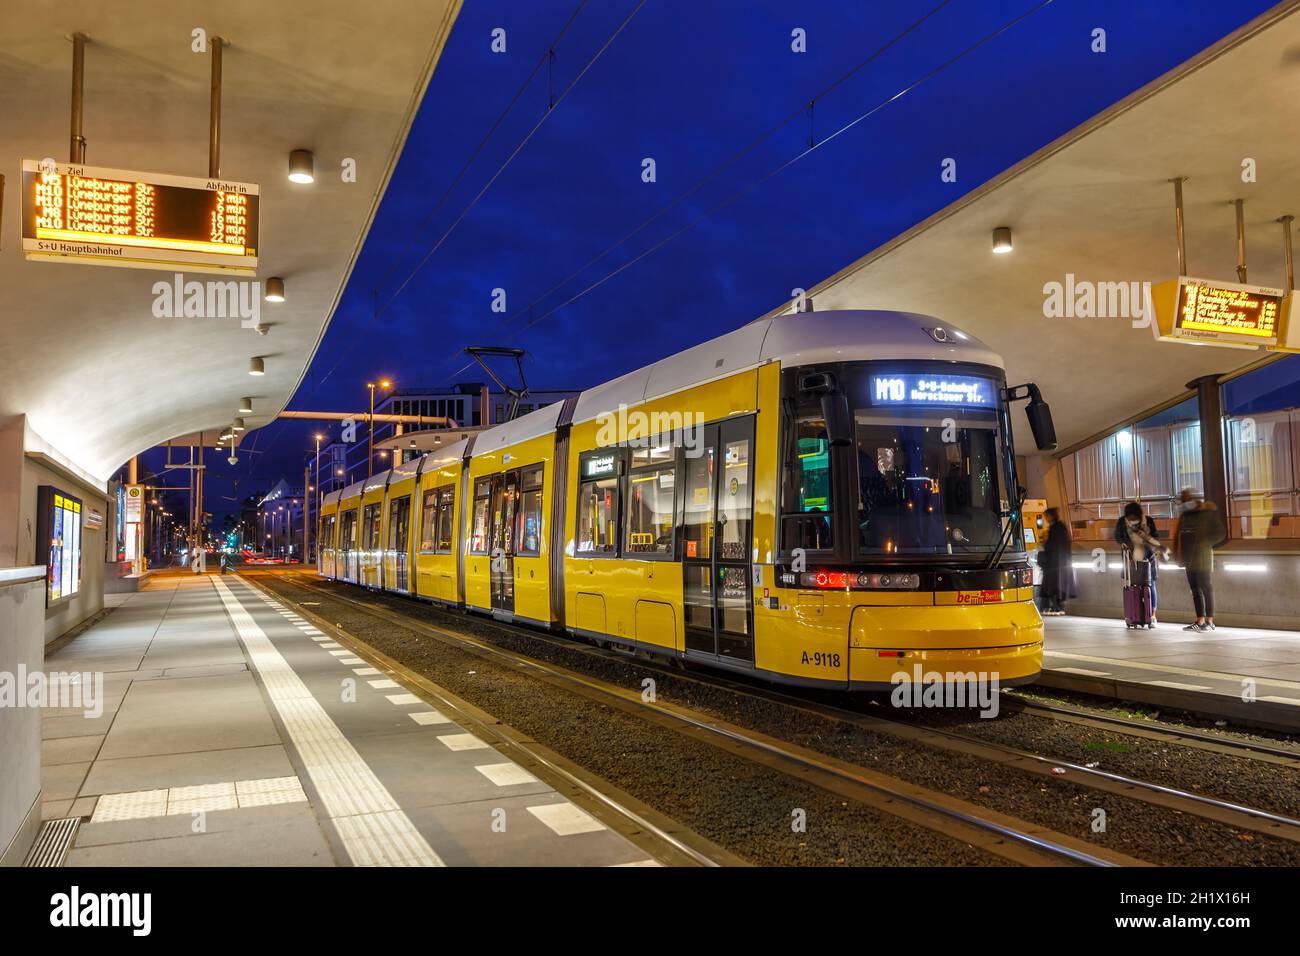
510,158
552,103
548,59
727,163
987,38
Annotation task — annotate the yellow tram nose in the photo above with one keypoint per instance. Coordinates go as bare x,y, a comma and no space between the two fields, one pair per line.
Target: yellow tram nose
1003,640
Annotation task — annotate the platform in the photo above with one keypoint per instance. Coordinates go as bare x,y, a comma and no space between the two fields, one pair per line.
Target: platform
1210,672
233,732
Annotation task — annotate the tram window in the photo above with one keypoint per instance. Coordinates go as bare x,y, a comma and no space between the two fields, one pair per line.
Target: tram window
806,496
428,520
348,538
651,496
528,532
399,511
327,533
598,517
370,527
446,519
735,507
505,499
478,536
922,491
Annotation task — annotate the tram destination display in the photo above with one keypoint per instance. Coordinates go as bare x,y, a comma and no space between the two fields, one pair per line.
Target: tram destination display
914,390
138,220
1227,312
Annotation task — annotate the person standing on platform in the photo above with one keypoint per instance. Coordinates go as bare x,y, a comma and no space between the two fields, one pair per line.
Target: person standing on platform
1055,561
1137,532
1196,532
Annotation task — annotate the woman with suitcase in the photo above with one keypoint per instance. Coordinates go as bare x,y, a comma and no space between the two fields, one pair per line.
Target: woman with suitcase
1140,550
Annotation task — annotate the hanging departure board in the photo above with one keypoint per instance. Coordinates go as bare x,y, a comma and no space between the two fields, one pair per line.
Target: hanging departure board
1227,312
139,220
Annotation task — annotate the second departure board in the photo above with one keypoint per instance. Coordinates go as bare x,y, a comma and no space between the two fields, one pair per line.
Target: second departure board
143,220
1227,312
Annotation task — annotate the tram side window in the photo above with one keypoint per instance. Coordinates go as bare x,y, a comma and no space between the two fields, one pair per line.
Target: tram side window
399,510
370,527
327,533
348,539
446,519
478,535
598,516
528,534
806,495
651,496
428,520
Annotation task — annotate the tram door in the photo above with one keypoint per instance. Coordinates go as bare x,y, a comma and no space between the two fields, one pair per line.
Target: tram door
717,559
399,528
505,499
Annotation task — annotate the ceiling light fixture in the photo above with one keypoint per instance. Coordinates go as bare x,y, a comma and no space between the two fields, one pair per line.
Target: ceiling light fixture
302,166
1002,240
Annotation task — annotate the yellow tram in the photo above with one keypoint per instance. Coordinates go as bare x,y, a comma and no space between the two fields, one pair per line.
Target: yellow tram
826,499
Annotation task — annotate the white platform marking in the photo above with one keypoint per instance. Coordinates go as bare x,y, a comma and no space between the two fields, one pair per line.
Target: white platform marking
373,827
227,795
1081,670
427,717
566,819
1281,700
1175,685
462,742
384,684
506,774
366,671
400,699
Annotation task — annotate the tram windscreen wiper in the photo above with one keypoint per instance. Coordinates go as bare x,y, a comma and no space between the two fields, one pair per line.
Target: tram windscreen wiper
1012,516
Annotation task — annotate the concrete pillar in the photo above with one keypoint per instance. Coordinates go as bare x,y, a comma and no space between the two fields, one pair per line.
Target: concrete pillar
1209,405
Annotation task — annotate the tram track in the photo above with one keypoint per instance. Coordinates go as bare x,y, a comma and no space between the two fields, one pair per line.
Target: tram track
1008,839
1239,818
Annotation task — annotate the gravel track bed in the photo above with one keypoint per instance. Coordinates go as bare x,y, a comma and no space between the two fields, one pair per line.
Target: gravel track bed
1147,832
1254,783
742,806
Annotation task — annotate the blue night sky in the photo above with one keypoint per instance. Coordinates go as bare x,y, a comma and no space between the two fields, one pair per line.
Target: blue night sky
691,84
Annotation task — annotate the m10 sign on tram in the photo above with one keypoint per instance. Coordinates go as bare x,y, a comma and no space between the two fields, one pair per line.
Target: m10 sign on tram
139,220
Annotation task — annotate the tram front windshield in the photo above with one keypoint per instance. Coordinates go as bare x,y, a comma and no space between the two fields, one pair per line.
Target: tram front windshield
928,470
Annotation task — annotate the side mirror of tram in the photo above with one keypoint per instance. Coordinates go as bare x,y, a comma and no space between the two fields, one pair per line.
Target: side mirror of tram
835,406
1038,413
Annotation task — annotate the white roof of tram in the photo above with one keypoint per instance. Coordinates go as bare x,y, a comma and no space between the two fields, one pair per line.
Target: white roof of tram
803,339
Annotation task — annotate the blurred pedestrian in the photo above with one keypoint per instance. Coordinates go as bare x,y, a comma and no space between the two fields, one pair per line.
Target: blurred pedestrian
1197,531
1055,559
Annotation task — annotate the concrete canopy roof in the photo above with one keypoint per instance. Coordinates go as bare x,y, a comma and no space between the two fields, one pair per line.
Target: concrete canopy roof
97,375
1098,204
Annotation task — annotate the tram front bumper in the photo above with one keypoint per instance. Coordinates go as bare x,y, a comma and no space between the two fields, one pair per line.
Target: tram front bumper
1002,641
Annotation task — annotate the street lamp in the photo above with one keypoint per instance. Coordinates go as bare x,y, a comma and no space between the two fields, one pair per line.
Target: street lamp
370,458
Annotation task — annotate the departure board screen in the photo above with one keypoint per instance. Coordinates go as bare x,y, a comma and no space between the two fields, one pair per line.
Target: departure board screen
1227,311
144,220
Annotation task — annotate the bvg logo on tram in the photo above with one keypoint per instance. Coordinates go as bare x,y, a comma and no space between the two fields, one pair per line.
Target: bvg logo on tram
979,597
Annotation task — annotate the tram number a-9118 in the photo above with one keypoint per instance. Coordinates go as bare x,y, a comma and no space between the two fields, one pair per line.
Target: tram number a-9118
818,659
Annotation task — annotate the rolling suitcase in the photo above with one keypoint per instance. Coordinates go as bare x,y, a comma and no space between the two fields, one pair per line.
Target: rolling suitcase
1137,593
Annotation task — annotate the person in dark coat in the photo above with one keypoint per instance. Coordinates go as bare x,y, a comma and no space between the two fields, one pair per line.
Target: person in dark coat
1137,533
1055,558
1196,533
